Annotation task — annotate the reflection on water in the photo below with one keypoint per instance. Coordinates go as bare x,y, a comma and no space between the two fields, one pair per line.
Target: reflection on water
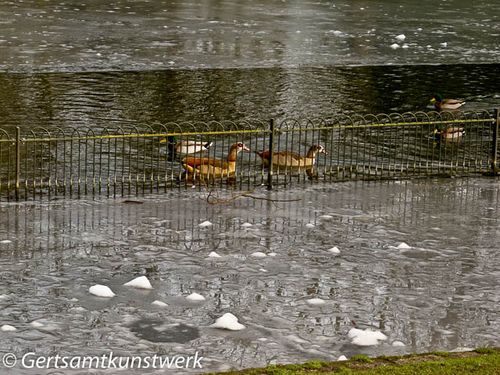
438,295
145,35
146,98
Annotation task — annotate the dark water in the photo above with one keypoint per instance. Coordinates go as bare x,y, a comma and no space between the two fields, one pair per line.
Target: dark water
145,98
163,61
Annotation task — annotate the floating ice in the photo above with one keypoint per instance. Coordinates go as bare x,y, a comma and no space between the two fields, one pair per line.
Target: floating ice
159,303
6,241
336,32
140,282
405,46
195,297
228,321
444,44
101,291
205,224
315,301
273,254
403,245
334,250
342,358
36,324
326,217
310,225
8,328
365,337
395,46
213,254
262,270
398,343
246,225
258,254
401,37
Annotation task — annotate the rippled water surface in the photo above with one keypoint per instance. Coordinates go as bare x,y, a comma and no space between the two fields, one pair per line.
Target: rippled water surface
92,34
440,294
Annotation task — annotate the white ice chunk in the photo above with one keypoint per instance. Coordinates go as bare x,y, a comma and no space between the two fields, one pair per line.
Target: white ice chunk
195,297
101,291
8,328
205,224
334,250
315,301
228,321
140,282
365,337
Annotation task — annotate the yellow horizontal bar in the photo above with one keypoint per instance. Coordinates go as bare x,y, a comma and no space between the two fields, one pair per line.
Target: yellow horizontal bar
253,131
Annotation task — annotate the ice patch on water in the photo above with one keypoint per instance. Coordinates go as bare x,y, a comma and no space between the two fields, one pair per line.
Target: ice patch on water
205,224
228,321
195,297
8,328
258,254
334,250
140,282
101,291
213,254
315,301
365,337
159,303
398,343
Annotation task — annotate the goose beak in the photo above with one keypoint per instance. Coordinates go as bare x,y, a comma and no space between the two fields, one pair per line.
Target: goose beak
245,148
433,100
163,140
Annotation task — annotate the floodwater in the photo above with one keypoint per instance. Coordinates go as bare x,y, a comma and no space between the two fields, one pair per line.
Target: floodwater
104,64
439,294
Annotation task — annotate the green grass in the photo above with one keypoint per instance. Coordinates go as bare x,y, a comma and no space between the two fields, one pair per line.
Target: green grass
482,361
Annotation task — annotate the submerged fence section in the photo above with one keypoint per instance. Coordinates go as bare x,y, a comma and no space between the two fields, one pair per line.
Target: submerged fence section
135,161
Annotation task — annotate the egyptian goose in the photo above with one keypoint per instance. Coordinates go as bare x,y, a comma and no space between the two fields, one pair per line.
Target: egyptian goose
207,167
292,160
451,133
186,147
444,104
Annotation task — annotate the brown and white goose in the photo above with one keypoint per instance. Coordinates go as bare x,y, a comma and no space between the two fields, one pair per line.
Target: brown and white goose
207,167
292,160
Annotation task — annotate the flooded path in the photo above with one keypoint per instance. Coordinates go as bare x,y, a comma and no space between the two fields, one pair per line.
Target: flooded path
439,294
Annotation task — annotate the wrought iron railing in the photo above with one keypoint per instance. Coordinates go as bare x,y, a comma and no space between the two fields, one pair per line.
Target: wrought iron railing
133,161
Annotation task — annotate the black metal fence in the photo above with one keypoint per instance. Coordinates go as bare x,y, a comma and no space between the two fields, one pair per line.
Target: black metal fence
133,161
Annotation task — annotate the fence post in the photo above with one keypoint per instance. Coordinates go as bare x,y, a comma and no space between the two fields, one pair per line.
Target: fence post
18,161
271,151
494,148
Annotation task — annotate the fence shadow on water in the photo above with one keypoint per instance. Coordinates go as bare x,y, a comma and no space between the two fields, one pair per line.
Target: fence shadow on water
124,161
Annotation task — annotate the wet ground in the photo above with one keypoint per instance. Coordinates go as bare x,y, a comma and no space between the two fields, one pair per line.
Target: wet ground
439,294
